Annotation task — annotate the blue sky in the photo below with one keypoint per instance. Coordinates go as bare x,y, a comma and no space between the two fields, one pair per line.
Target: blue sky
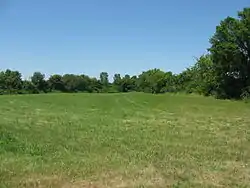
124,36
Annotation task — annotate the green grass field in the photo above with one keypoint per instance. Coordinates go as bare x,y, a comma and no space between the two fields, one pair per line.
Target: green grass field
123,140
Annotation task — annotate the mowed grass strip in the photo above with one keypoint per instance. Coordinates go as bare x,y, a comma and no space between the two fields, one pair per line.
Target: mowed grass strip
123,140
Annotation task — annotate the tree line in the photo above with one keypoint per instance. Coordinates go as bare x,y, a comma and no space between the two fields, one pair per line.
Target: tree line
224,72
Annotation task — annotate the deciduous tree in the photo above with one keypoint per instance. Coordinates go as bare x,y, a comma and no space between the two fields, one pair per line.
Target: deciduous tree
230,52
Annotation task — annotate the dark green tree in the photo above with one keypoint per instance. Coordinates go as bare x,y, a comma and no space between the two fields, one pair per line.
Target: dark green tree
85,84
203,77
127,83
29,88
2,82
133,85
10,82
70,82
38,80
230,52
169,83
152,81
55,83
117,82
95,85
104,81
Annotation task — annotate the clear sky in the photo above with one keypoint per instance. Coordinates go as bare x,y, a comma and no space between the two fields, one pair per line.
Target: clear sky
117,36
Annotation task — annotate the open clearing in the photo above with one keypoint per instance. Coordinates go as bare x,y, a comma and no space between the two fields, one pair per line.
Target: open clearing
123,140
